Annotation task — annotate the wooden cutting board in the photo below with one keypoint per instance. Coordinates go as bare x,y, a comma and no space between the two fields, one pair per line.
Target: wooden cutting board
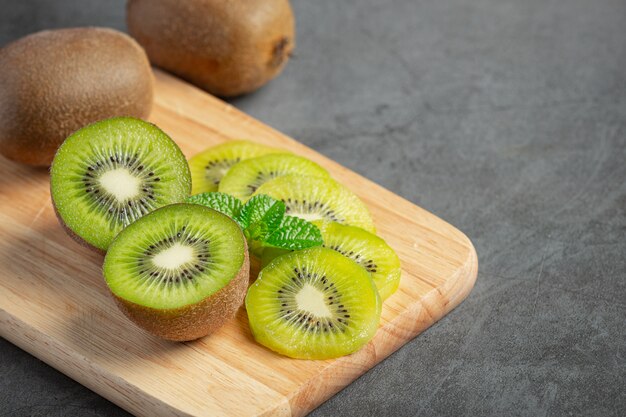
54,303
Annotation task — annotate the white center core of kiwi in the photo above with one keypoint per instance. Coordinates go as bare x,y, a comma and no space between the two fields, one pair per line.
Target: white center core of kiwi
173,257
311,300
120,183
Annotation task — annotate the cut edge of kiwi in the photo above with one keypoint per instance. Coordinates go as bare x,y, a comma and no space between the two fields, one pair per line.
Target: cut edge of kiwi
93,214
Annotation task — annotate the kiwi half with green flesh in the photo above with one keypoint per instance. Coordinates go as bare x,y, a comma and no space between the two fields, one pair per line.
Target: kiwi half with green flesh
110,173
180,272
245,177
209,166
367,250
313,304
312,198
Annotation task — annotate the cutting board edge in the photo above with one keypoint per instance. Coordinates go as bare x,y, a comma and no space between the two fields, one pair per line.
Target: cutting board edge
38,344
434,305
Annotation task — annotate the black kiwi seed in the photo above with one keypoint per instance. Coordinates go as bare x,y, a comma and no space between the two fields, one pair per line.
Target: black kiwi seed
311,207
368,264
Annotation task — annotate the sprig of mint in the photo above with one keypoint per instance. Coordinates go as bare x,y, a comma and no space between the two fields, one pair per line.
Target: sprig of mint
263,221
224,203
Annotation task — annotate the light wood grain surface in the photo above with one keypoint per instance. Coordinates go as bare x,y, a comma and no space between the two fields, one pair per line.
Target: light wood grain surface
54,303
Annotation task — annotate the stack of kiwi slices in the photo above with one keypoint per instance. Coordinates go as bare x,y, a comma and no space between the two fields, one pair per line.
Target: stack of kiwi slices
178,266
315,303
209,166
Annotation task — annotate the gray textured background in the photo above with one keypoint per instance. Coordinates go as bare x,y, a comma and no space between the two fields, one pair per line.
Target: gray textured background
505,117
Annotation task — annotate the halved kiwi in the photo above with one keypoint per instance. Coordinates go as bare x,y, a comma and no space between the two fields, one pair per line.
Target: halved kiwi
313,304
314,198
110,173
367,250
180,272
245,177
209,166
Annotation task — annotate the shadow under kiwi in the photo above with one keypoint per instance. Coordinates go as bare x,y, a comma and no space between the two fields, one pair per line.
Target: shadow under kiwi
43,264
107,337
15,176
92,325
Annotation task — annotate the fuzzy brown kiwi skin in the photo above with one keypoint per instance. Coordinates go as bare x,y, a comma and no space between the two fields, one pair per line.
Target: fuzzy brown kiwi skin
227,48
196,320
54,82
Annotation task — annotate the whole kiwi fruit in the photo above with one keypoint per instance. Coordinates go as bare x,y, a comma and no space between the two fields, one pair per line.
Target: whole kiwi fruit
227,48
56,81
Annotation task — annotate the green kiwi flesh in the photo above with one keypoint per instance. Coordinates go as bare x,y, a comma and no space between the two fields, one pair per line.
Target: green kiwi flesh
313,198
209,166
313,304
366,249
110,173
179,272
245,177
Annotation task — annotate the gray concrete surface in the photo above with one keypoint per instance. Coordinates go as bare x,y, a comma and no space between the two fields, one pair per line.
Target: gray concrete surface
505,117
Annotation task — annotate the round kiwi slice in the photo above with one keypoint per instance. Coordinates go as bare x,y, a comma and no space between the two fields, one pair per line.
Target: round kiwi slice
180,272
367,250
110,173
245,177
313,304
312,198
209,166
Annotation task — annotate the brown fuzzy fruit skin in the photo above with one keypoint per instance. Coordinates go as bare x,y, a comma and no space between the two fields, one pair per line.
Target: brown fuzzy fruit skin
54,82
227,48
194,321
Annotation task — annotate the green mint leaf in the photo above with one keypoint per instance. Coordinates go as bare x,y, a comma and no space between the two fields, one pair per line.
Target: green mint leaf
256,231
224,203
294,233
261,209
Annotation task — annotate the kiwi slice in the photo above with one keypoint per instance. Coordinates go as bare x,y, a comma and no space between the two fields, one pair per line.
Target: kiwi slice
180,272
313,304
245,177
110,173
208,167
367,250
312,198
